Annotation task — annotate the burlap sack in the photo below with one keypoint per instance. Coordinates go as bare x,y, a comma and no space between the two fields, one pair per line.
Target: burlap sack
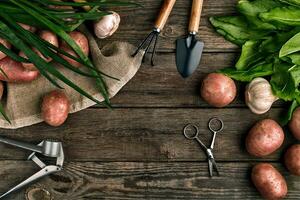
22,102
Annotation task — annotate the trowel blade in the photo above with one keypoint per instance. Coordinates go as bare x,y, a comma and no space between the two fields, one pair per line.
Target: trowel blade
188,55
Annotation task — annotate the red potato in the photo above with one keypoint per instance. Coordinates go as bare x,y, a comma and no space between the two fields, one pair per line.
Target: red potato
27,66
81,41
28,27
55,108
292,159
15,72
269,182
70,60
265,137
7,45
294,124
47,36
218,90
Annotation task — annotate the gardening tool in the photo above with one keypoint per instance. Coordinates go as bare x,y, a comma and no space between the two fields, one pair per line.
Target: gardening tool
158,26
189,50
191,132
47,148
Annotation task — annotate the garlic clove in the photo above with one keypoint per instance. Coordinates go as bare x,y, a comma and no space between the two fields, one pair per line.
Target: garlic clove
259,96
107,25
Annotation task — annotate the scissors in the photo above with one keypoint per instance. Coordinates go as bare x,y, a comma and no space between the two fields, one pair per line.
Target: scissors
208,150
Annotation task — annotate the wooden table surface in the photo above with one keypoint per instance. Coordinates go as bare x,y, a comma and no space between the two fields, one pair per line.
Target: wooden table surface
137,151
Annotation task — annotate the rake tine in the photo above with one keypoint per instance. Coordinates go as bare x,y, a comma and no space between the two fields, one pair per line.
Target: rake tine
142,44
148,47
154,49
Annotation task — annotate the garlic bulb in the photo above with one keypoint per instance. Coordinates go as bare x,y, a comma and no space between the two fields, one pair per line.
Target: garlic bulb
107,25
259,96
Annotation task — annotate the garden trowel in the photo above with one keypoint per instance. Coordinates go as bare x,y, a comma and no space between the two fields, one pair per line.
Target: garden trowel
189,50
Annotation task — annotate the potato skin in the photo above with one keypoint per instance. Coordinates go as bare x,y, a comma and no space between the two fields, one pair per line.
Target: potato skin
28,27
292,159
47,36
15,72
7,45
268,181
28,66
218,90
265,137
81,41
70,60
55,108
294,124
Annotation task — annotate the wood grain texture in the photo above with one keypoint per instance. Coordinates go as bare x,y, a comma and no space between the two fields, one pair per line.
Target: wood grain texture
140,180
162,85
137,23
145,135
137,151
164,14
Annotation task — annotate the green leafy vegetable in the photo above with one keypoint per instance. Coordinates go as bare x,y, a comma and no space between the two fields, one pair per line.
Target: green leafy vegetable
284,119
252,9
249,55
235,29
282,82
260,70
291,2
268,32
291,46
282,15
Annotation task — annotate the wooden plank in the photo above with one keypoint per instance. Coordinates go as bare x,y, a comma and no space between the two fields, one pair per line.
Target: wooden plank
138,180
145,135
162,86
137,23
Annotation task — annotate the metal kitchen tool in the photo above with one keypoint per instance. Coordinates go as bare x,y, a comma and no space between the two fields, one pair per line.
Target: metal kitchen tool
191,132
189,50
47,148
158,26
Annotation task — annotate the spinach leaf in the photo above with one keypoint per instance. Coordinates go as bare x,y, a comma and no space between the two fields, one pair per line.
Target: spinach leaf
282,15
249,55
292,58
252,9
275,41
236,29
259,70
291,2
285,81
284,119
291,46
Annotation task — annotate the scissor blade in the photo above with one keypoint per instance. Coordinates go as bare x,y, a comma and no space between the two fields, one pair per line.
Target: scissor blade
210,167
215,166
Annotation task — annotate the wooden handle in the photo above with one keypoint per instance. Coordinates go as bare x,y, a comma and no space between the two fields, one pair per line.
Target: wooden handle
164,14
195,16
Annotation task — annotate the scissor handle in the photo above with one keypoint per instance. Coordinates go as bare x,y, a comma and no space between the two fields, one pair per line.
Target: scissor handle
215,119
191,136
